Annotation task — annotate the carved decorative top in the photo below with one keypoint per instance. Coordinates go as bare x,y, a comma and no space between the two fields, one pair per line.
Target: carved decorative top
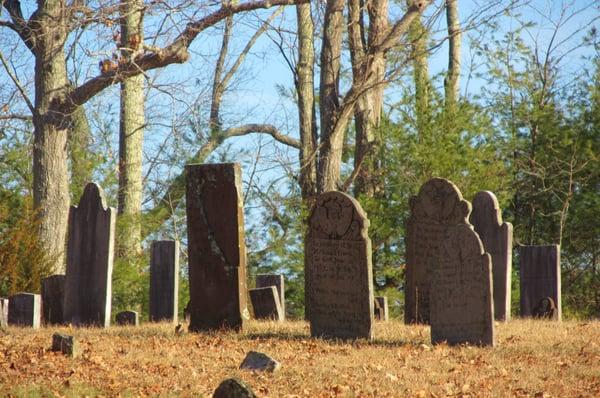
441,201
338,216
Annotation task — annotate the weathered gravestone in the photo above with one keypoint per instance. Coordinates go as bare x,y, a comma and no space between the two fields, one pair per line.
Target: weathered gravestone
338,274
233,388
461,304
438,206
265,280
266,304
164,281
53,295
546,308
381,308
65,344
90,252
127,318
216,247
540,278
496,237
3,312
25,309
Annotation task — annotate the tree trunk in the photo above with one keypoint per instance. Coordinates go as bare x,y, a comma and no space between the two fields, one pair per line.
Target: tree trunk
131,137
418,38
306,103
79,152
454,38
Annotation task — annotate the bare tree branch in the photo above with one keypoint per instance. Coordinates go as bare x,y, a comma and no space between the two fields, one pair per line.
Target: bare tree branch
17,83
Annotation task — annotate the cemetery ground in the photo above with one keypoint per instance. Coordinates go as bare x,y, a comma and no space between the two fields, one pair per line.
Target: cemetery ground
533,358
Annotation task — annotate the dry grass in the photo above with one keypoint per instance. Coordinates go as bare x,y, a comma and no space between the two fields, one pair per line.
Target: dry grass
533,358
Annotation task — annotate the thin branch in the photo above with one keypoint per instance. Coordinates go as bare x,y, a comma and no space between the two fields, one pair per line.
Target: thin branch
17,83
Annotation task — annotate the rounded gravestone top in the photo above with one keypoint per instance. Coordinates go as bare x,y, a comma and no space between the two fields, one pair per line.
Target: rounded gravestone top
440,200
336,215
486,209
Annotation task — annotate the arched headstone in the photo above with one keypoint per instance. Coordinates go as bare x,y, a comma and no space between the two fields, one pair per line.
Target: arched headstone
338,274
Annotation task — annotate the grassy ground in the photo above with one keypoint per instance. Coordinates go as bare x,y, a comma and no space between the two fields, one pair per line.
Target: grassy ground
533,358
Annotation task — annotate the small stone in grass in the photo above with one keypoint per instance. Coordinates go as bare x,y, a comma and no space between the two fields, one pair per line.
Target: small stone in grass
259,361
233,388
65,344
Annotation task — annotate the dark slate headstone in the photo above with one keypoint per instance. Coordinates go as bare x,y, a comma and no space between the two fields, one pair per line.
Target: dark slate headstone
462,308
90,252
338,270
233,388
438,206
266,304
65,344
53,297
540,277
381,308
3,312
496,237
546,308
127,318
25,309
265,280
216,247
164,281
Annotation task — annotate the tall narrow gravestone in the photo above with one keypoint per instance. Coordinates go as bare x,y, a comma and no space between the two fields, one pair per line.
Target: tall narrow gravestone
338,274
381,308
216,247
266,280
53,295
266,304
462,308
164,281
25,309
438,206
3,312
540,278
90,251
496,237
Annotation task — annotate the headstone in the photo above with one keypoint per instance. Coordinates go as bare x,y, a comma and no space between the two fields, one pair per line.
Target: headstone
462,309
25,309
90,252
265,280
164,281
260,361
381,308
233,388
266,304
53,295
216,247
3,312
540,277
127,318
65,344
438,206
496,237
338,273
546,308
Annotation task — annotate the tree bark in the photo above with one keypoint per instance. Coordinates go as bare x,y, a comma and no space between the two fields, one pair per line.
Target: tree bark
454,41
418,37
82,163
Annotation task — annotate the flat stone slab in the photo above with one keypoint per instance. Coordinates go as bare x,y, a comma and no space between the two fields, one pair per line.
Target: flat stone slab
260,362
3,312
266,304
65,344
381,308
277,280
164,281
233,388
539,270
53,295
25,309
127,318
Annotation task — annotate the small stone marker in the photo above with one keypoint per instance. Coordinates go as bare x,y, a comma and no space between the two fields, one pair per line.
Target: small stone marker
3,312
266,304
217,250
540,277
381,308
164,281
260,362
496,237
233,388
53,295
338,275
462,308
90,251
65,344
545,309
25,309
438,206
127,318
265,280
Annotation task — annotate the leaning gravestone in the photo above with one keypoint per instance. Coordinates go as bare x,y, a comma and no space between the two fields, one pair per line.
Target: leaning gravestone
216,247
461,303
381,308
3,312
438,206
90,251
164,281
338,275
25,309
496,237
266,304
540,278
127,318
53,295
265,280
